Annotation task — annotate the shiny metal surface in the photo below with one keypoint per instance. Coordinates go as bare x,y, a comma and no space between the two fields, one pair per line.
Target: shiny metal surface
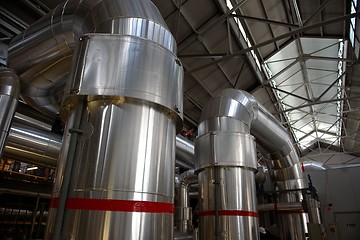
225,149
226,164
103,68
293,206
183,210
292,225
313,210
126,153
33,145
131,85
236,192
9,95
185,151
243,114
42,54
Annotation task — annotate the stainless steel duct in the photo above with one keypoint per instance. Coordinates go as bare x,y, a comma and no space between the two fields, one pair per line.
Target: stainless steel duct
183,211
9,95
226,164
226,161
185,151
42,54
32,145
124,104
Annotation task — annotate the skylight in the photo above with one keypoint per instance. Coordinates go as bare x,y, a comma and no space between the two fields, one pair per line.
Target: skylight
244,35
353,23
308,81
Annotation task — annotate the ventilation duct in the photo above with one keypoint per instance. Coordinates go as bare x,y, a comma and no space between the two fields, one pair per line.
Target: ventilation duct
226,165
123,105
32,145
42,54
9,95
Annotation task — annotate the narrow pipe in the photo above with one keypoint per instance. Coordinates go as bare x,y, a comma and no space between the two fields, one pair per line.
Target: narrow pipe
285,207
9,95
183,211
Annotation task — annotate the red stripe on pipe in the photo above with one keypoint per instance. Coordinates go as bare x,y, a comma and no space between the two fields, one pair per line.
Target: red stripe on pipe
54,203
115,205
241,213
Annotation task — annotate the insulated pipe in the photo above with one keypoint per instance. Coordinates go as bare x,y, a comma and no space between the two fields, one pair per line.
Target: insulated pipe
42,54
34,146
224,144
126,75
9,95
226,164
281,207
185,150
183,211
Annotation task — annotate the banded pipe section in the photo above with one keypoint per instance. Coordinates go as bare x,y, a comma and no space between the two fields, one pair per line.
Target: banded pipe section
225,146
226,165
9,95
127,81
42,54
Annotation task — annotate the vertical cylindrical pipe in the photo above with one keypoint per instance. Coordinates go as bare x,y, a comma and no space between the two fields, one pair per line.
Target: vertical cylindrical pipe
226,164
183,210
9,95
122,181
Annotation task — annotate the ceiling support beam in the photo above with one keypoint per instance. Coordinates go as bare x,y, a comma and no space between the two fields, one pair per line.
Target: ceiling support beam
271,22
286,35
322,6
319,102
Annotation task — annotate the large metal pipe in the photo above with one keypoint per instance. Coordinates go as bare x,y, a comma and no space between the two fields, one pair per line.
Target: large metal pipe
9,95
224,145
226,164
34,146
128,79
42,54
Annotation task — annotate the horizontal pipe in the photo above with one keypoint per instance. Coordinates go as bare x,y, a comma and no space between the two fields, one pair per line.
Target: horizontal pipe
34,146
290,206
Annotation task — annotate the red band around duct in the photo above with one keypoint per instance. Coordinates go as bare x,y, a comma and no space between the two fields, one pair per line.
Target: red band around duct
115,205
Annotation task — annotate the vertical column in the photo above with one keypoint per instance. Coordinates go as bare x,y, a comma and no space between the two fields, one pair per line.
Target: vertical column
9,95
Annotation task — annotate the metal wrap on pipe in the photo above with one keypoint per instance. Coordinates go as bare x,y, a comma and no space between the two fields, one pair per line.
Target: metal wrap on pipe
226,164
128,80
42,54
234,113
34,146
183,211
9,95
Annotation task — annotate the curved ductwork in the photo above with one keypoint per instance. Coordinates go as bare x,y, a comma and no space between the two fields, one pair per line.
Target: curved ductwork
123,105
42,54
183,210
9,95
225,151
